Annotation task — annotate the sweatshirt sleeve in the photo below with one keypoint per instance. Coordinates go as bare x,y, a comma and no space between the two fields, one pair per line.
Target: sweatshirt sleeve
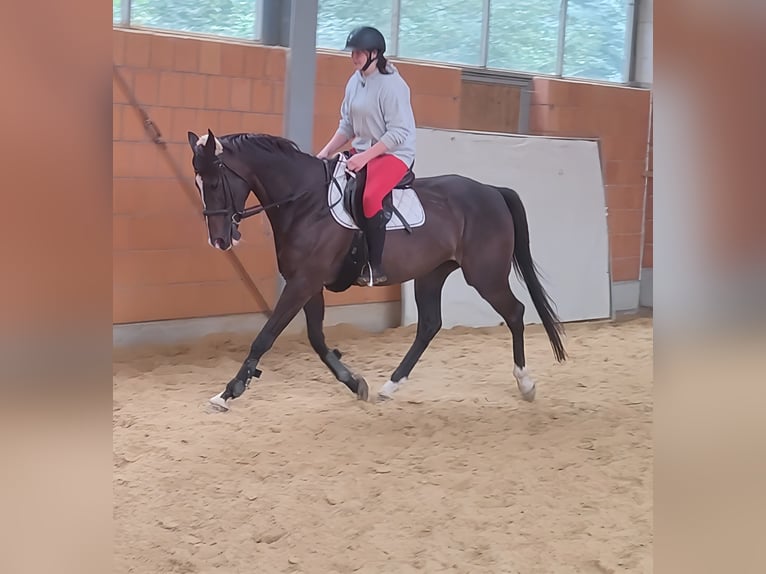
397,114
345,125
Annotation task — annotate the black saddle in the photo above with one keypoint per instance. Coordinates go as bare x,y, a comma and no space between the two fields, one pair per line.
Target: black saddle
357,256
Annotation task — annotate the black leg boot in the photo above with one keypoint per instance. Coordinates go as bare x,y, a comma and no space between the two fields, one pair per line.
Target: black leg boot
376,238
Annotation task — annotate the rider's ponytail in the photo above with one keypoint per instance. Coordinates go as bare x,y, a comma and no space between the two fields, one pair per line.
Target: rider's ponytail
382,64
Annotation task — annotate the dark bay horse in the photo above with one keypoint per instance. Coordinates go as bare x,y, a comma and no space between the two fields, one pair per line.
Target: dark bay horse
470,225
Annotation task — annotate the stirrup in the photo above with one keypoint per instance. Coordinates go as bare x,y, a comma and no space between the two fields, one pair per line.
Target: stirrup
362,280
367,278
371,282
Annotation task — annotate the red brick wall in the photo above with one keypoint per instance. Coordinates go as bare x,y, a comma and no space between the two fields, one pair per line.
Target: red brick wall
490,107
619,117
163,267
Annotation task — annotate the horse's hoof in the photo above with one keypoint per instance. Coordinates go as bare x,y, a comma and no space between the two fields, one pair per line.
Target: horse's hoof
529,396
525,383
362,389
387,391
218,402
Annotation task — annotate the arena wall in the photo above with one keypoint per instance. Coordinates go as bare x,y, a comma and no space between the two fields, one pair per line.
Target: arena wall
163,268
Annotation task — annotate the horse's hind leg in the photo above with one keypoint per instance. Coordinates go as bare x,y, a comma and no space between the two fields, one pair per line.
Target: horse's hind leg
428,297
496,290
314,311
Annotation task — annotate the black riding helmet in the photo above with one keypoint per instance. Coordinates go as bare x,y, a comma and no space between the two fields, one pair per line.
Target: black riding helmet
366,38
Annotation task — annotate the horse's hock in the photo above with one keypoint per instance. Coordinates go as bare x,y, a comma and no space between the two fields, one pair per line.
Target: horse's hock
457,472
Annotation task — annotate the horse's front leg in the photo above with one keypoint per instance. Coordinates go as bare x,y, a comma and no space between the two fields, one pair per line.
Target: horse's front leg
314,311
295,295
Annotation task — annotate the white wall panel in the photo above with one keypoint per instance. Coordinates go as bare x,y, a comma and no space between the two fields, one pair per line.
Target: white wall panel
560,183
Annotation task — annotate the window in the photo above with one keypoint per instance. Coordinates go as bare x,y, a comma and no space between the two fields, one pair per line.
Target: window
594,46
445,31
231,18
336,18
523,35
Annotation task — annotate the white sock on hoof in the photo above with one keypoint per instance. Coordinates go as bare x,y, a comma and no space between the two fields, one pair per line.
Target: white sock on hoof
387,390
525,383
218,401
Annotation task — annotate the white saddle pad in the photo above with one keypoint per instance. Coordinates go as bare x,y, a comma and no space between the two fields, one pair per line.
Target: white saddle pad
405,200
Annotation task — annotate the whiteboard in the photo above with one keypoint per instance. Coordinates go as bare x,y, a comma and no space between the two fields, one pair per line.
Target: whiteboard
560,182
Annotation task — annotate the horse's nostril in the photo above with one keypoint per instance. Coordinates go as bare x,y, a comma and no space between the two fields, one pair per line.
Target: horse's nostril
220,243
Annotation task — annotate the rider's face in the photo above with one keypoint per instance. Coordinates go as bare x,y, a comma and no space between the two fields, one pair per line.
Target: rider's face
359,58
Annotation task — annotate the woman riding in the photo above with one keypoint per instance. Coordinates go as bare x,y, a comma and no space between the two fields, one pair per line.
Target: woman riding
377,117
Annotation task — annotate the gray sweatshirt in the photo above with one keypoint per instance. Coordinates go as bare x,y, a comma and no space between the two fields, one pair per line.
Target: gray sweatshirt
377,108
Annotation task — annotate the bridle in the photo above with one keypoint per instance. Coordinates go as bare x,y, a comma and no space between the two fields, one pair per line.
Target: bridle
230,209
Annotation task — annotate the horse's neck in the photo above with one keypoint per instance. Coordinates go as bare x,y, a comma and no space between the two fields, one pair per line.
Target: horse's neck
281,178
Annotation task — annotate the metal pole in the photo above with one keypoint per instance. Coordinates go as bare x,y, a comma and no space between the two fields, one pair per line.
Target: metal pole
393,43
300,74
125,12
562,38
628,71
275,22
258,24
484,49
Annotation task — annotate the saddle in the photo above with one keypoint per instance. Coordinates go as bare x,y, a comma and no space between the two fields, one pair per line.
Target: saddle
346,193
344,198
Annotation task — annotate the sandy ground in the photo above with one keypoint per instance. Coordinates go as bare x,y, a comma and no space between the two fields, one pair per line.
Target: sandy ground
457,474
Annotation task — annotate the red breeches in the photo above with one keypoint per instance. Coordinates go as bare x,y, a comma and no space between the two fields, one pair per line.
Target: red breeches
383,173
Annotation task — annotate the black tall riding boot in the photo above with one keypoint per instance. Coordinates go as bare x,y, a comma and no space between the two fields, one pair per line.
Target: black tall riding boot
375,231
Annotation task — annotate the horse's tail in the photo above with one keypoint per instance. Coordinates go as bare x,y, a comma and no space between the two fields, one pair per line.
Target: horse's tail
525,266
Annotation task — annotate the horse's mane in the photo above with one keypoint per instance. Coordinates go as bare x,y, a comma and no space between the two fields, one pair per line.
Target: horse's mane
265,142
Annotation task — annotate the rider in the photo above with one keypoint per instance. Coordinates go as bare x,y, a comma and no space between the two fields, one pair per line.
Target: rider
376,114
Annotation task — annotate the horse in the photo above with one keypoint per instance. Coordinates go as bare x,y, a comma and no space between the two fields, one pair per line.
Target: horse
479,228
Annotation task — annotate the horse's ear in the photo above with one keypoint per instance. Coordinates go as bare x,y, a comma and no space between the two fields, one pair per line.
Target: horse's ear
193,139
210,143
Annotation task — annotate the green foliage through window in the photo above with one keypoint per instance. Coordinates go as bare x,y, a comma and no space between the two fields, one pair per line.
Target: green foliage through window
231,18
336,18
446,31
523,34
595,39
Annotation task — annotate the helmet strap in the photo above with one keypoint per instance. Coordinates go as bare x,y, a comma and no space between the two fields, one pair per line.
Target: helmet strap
370,60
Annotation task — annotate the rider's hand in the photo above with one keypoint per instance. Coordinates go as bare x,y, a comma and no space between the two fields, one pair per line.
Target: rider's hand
357,161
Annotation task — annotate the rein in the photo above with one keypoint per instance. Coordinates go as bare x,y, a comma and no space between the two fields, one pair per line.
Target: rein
236,215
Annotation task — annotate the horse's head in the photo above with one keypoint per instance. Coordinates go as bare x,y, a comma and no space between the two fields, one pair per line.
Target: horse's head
222,190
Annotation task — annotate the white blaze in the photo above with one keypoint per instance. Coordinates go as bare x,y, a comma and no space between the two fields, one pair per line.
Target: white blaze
218,151
198,179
